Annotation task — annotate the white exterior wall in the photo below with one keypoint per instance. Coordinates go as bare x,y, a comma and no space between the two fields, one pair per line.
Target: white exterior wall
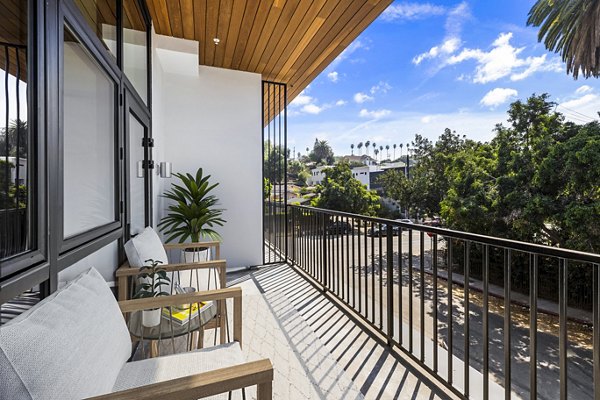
211,118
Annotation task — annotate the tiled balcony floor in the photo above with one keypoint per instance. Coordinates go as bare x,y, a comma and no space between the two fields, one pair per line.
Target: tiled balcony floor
316,349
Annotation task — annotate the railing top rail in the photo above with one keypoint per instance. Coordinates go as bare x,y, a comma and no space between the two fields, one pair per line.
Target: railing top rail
473,237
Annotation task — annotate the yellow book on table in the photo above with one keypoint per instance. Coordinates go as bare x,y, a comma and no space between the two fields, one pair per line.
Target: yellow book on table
182,316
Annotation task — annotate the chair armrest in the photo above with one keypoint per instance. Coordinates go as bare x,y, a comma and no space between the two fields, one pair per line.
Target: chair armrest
125,270
205,384
234,293
216,244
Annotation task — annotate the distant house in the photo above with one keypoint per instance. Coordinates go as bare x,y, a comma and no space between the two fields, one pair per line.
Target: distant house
291,192
363,159
366,174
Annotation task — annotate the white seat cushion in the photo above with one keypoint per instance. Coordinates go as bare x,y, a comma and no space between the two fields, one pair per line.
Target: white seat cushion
145,246
71,345
160,369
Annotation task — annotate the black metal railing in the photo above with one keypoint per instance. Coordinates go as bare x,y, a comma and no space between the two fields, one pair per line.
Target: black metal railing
275,190
466,307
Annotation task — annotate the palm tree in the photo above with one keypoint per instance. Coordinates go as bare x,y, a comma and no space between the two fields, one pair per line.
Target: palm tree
360,145
367,144
394,146
571,29
401,145
307,150
374,145
376,152
352,148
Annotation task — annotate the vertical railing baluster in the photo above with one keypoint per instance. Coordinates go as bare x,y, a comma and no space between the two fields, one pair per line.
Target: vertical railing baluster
466,304
410,290
449,316
380,269
390,284
373,273
325,279
359,267
347,264
596,322
533,289
435,306
366,271
507,323
485,317
562,317
400,290
353,264
337,261
422,292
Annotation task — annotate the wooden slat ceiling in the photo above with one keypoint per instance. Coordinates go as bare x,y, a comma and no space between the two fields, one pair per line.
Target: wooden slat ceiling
13,38
288,41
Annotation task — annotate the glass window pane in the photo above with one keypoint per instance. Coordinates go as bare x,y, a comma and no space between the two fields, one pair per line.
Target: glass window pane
101,15
16,202
136,187
135,46
89,141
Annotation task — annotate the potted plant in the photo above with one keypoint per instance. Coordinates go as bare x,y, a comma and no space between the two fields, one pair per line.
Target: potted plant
150,281
192,214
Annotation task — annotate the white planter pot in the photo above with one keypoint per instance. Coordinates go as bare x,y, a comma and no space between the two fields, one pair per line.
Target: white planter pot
151,318
196,256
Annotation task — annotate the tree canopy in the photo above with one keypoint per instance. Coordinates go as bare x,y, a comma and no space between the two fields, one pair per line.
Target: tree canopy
537,180
340,191
321,153
571,28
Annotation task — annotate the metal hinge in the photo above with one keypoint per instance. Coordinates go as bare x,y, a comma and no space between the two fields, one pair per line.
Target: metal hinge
148,164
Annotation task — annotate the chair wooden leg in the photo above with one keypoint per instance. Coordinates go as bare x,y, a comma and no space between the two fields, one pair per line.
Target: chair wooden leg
264,391
223,322
153,348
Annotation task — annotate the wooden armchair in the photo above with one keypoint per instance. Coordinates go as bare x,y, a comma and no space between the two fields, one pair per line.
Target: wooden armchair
223,380
126,278
75,344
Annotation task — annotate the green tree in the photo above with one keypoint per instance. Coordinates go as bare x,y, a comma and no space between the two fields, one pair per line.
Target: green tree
570,27
267,188
342,192
16,130
274,162
321,153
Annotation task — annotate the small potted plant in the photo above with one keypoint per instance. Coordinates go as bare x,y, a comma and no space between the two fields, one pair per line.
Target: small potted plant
192,214
150,281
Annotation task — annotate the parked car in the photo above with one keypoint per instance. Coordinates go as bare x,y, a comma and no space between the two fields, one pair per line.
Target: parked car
377,230
339,227
405,221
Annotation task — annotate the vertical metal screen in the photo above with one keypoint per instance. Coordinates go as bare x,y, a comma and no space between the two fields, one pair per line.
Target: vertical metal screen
275,156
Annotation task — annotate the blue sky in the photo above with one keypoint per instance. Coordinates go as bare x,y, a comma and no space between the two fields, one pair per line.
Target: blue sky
424,66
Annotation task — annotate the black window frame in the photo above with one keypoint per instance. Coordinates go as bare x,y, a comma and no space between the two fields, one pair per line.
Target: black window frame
52,252
14,265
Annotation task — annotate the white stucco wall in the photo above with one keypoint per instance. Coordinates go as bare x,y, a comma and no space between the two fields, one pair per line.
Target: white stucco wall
211,118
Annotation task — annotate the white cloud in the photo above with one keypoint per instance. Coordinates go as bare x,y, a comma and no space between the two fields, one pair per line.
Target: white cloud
452,42
374,114
312,109
428,118
341,102
580,102
381,87
584,89
348,51
333,76
305,104
498,96
411,11
301,100
502,61
362,97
